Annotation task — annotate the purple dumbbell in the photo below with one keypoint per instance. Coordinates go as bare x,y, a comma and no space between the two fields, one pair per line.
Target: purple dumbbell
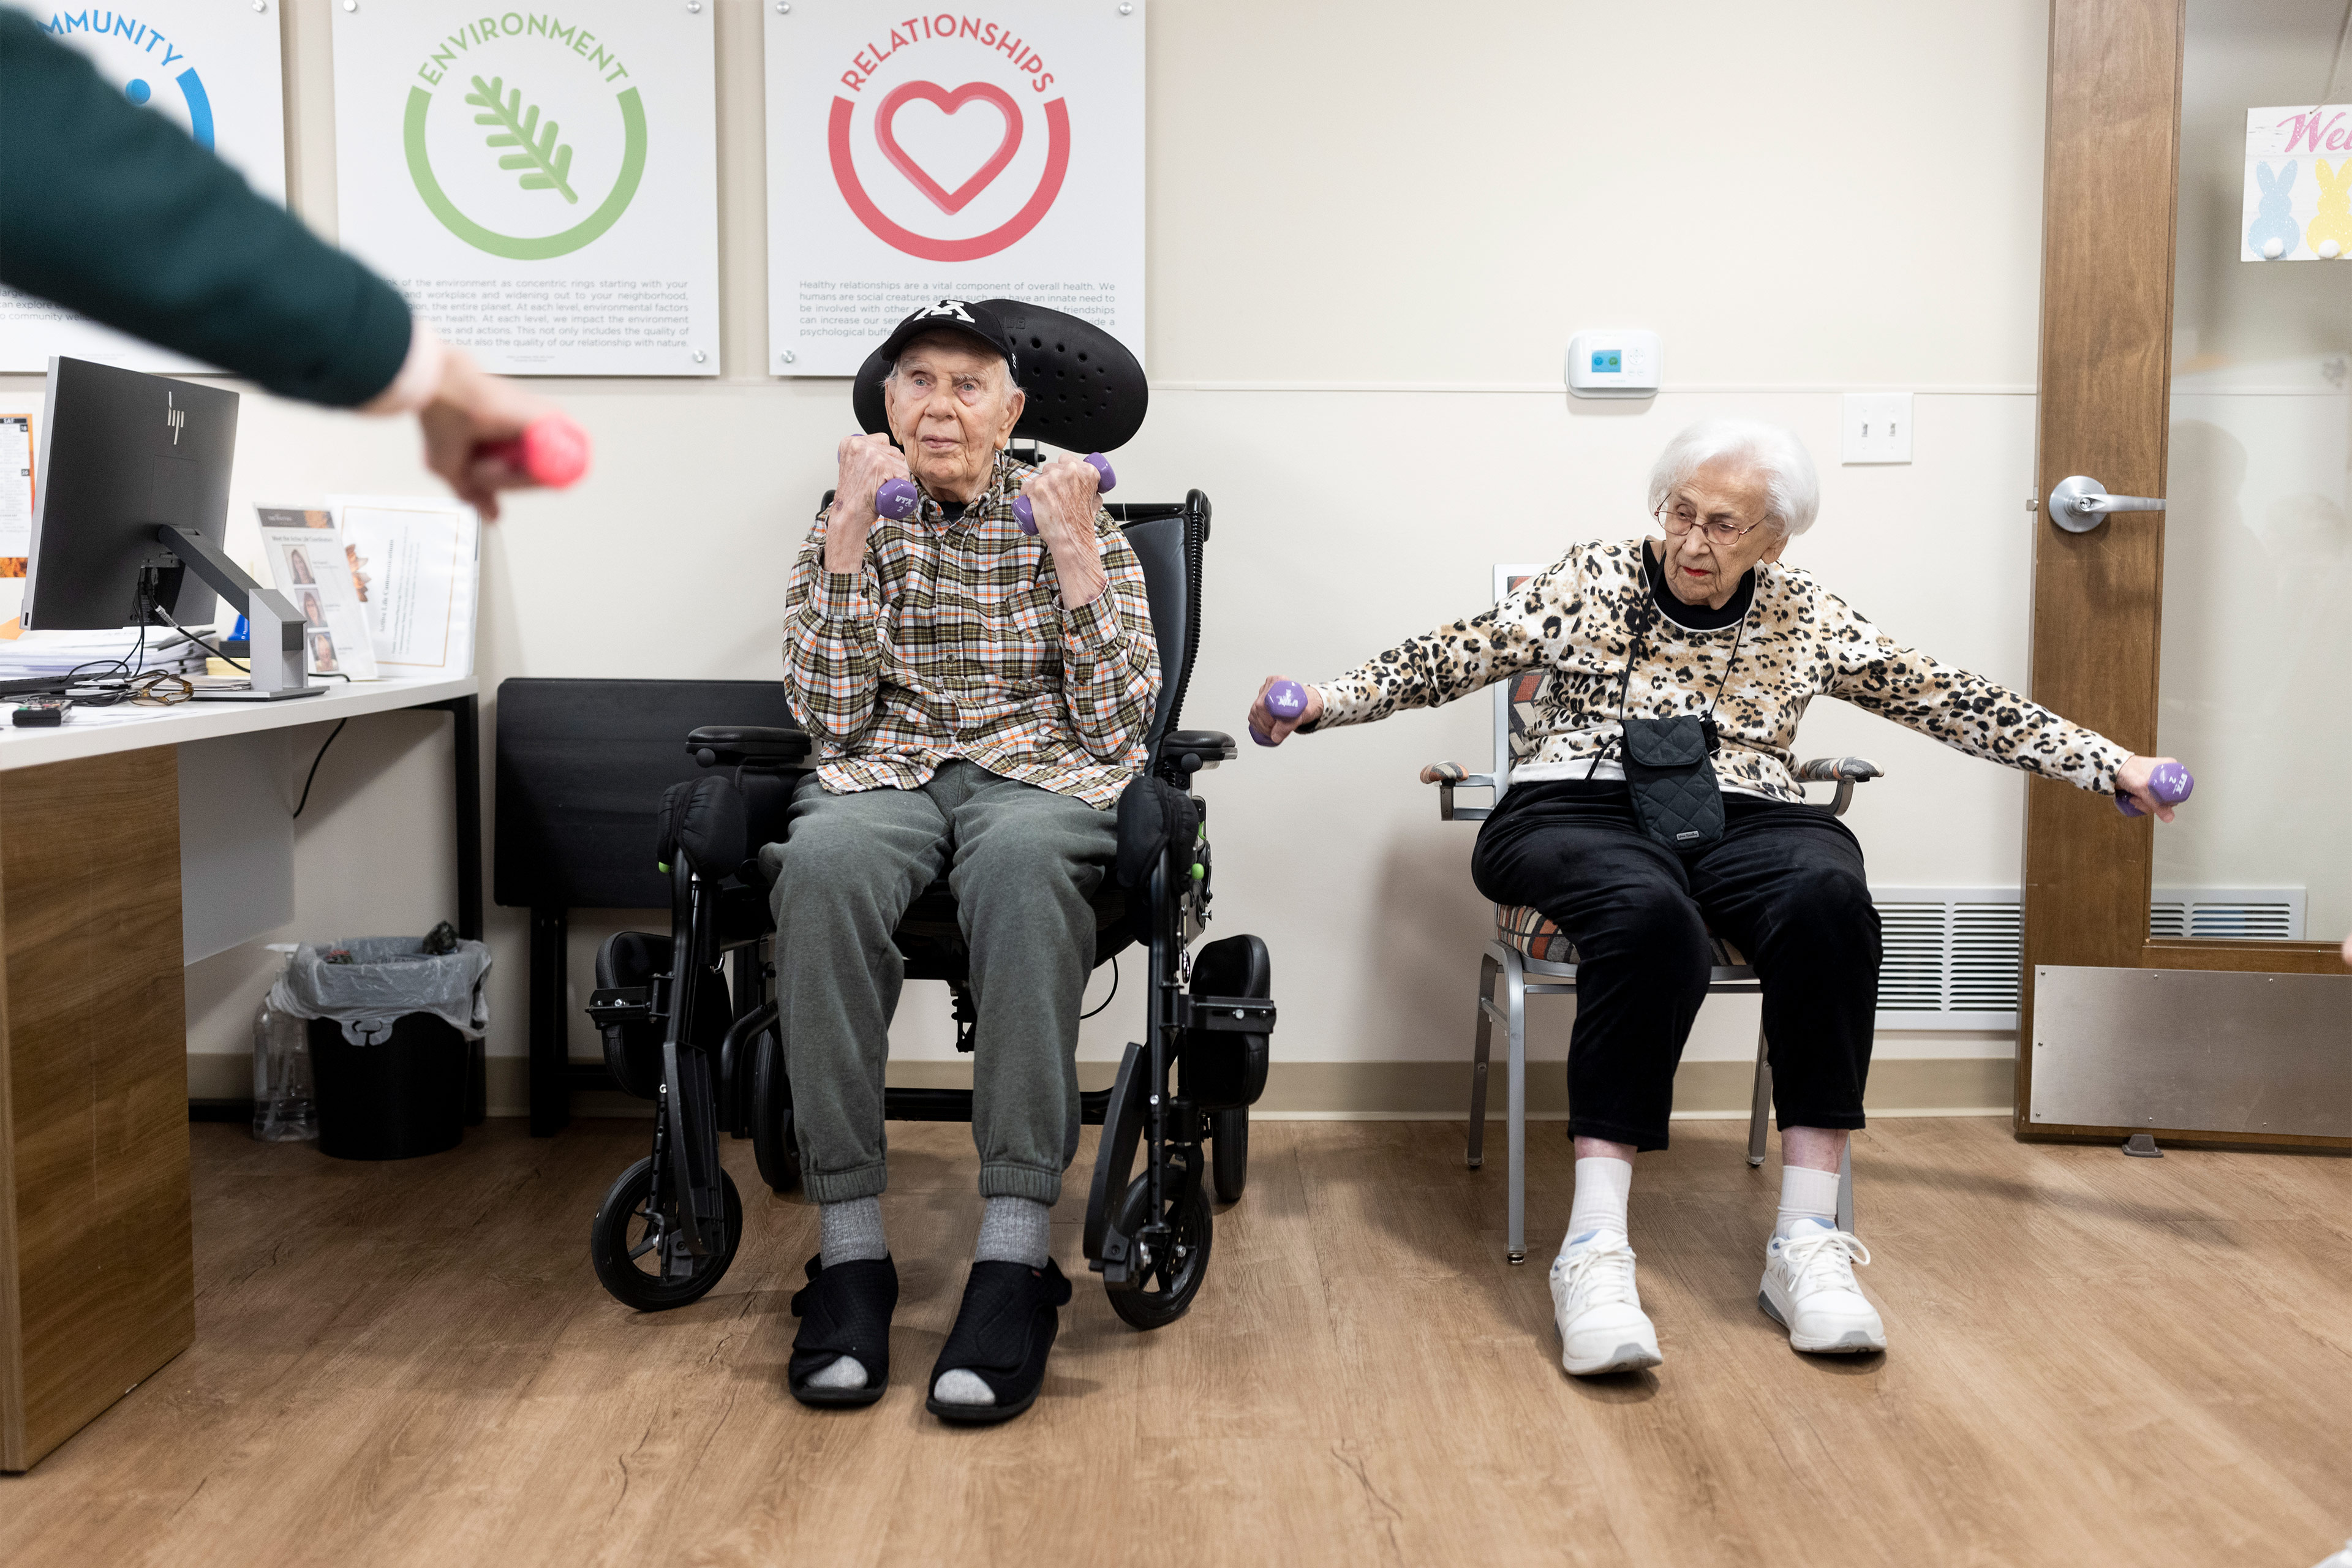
1285,699
897,499
2170,782
1108,482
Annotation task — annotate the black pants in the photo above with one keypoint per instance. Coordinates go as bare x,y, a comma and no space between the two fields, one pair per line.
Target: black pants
1784,885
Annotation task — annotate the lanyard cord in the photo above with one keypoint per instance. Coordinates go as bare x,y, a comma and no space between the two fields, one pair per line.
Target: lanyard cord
1632,656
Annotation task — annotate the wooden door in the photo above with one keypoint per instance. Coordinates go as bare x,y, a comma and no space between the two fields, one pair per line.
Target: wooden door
2111,204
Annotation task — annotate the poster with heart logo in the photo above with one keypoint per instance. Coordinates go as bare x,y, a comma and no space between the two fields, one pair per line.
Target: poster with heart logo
212,70
994,152
542,185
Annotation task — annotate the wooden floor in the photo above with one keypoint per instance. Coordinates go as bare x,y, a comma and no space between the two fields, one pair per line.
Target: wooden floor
2097,1359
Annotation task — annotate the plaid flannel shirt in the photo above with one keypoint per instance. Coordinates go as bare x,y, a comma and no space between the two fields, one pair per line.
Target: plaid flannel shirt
950,640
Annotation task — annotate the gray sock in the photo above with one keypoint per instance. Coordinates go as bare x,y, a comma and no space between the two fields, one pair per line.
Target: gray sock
850,1230
1015,1230
1012,1230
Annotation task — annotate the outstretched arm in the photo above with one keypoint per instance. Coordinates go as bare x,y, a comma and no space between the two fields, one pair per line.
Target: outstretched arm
1524,630
1972,714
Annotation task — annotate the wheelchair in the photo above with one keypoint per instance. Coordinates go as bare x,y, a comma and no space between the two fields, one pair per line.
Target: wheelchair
690,1020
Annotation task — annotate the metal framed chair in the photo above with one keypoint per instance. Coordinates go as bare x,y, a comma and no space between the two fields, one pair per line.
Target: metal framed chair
1534,958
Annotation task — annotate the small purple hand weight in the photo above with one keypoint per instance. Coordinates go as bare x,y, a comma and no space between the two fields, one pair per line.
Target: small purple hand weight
1285,699
1106,483
897,499
2170,782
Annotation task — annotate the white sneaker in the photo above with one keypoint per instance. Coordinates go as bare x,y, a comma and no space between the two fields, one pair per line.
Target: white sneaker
1808,1289
1601,1325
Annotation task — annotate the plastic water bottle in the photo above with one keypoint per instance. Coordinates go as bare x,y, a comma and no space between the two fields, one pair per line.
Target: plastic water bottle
284,1110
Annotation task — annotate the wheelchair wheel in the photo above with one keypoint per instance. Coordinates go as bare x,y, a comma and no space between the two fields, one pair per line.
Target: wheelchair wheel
772,1143
626,1245
1165,1292
1229,1152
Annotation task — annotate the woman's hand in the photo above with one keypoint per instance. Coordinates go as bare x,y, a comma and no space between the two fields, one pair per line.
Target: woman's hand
866,464
1276,731
470,413
1062,501
2131,782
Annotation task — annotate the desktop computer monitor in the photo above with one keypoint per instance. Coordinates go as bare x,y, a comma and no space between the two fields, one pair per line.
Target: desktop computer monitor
123,454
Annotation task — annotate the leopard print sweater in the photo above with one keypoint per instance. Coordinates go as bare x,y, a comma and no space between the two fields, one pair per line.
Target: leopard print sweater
1577,621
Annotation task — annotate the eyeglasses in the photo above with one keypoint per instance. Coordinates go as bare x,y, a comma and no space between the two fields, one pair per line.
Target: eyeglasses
1680,517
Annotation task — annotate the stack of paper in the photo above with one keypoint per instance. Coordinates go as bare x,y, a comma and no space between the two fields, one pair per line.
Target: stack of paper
99,654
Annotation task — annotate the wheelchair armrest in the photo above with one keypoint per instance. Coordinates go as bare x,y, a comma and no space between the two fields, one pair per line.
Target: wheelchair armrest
1447,776
1193,750
1844,771
734,745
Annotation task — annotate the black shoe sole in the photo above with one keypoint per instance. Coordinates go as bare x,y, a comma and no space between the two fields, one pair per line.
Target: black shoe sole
837,1398
980,1415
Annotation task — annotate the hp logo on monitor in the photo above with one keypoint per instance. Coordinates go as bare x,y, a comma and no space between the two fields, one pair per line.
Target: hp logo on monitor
177,418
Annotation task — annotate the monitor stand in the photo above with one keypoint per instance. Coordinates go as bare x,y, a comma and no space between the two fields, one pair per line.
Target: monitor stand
273,643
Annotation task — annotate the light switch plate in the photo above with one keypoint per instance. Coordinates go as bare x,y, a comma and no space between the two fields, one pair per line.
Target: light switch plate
1876,427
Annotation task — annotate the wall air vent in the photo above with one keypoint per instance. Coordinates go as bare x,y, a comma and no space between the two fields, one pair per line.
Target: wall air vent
1953,954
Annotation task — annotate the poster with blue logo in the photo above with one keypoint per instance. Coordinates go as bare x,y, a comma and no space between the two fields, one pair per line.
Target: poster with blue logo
542,185
211,68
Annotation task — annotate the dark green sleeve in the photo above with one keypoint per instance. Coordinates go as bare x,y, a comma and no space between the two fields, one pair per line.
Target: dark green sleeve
112,211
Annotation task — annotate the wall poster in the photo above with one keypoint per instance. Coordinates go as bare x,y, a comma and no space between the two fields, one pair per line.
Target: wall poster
212,70
984,153
542,185
2298,200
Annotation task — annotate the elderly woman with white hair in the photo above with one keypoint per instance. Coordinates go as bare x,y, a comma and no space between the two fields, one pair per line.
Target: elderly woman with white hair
1667,654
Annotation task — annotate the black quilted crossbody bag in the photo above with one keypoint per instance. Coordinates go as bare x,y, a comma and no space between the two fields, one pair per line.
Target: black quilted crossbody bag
1669,770
1676,798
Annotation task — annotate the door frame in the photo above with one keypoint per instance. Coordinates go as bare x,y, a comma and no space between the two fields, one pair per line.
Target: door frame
2110,194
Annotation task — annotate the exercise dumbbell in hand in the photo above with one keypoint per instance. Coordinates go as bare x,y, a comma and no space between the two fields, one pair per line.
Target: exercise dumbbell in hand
551,451
2168,781
897,499
1285,699
1108,481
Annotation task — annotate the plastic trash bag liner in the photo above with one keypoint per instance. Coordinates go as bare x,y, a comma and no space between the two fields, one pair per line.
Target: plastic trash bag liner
387,978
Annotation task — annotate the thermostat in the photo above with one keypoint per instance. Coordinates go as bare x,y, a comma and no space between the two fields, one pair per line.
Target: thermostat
1614,365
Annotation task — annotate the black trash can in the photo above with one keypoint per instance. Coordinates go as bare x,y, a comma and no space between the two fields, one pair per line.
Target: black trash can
400,1097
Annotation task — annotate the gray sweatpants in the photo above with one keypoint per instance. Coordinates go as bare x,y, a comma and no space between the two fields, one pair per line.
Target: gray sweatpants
1023,862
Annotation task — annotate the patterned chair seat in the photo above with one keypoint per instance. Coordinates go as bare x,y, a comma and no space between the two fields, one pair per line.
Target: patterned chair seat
1526,928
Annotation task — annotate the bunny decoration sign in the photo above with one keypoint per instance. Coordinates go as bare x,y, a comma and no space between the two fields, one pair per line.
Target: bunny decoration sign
2298,201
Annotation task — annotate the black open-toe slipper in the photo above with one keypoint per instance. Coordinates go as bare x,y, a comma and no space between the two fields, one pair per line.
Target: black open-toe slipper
1001,1335
844,1310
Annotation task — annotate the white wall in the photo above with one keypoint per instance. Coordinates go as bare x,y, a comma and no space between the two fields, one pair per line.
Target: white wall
1372,227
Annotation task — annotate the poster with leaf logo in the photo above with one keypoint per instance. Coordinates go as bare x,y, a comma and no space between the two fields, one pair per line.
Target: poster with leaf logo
542,185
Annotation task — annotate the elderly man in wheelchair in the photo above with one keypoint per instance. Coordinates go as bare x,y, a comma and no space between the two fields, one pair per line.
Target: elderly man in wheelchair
992,666
1657,803
980,700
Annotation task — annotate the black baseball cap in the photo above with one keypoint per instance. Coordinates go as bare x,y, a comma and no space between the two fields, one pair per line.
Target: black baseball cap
970,317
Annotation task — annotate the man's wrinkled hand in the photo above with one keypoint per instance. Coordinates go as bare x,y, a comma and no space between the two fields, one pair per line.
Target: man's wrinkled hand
865,464
1063,502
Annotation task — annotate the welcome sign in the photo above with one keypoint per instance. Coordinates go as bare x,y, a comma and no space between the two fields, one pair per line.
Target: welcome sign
210,68
2298,198
965,153
542,185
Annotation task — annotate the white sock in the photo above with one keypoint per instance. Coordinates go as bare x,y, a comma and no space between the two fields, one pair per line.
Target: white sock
1805,1194
1603,1187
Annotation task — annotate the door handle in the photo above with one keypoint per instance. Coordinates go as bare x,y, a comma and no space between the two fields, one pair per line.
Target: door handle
2080,503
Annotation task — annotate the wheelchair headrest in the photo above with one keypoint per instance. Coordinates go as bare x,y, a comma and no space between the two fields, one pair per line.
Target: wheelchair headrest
1087,394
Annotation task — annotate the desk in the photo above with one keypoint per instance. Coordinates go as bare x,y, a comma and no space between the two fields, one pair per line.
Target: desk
97,1269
